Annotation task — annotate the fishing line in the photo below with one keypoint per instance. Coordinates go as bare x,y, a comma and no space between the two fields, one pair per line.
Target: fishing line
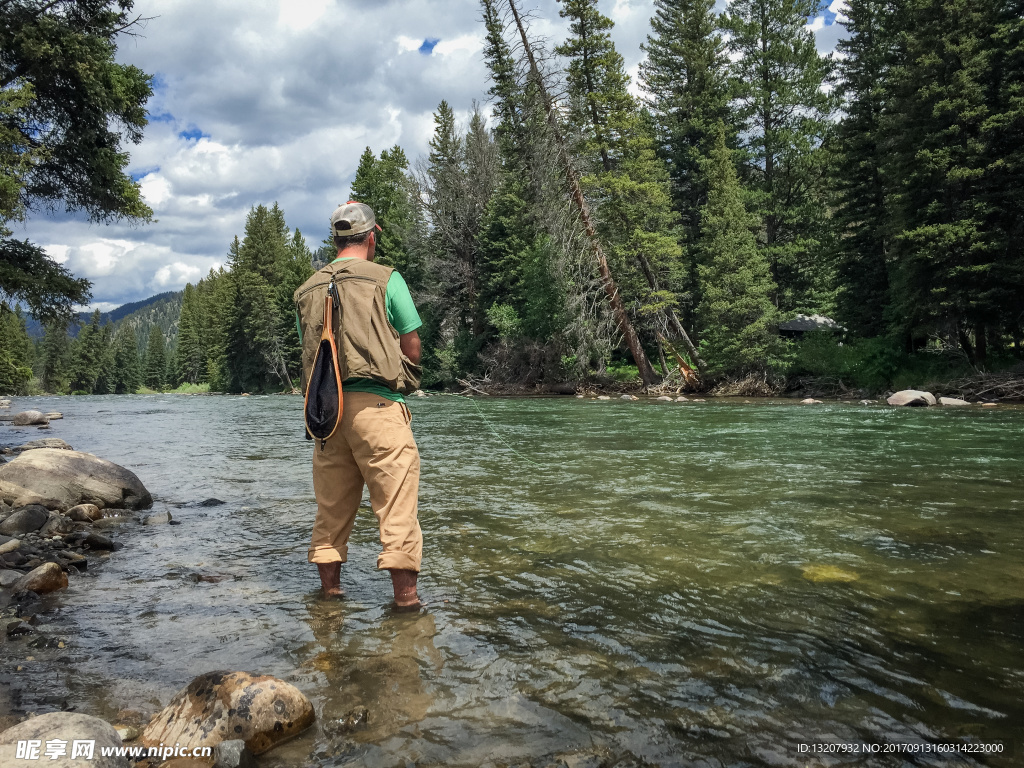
490,426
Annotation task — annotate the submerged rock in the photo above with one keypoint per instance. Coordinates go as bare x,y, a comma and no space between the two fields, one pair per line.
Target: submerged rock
46,442
666,398
28,418
811,401
825,573
69,478
260,710
25,520
67,727
954,401
912,398
48,577
603,397
682,399
157,519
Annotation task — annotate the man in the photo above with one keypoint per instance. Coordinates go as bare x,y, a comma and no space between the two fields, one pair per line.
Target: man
378,358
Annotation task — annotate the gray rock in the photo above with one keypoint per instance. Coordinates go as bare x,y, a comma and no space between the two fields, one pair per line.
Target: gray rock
70,478
603,397
46,442
11,545
54,416
953,401
628,397
26,519
57,524
811,401
233,754
682,399
666,398
9,577
67,727
912,397
27,418
91,540
85,513
219,706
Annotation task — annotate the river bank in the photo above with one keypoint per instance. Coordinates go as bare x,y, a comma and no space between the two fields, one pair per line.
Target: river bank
630,582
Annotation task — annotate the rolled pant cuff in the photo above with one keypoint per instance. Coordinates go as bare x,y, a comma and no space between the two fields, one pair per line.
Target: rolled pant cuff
326,555
399,561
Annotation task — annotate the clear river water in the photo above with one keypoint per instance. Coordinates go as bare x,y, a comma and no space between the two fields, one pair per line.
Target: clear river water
647,583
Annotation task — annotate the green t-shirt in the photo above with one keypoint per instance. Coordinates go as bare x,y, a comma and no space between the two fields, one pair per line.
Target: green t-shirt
403,317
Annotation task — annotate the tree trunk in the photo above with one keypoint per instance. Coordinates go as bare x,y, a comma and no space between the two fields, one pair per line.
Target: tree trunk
647,375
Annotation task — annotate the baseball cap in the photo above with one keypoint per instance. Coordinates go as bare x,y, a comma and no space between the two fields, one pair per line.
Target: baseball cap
353,218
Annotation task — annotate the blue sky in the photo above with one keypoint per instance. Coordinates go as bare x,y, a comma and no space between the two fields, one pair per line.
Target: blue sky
275,101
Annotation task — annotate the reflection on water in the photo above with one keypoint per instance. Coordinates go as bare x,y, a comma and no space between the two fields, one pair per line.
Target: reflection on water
674,584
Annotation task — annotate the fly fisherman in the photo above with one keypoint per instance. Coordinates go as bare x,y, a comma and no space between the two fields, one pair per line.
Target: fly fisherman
378,355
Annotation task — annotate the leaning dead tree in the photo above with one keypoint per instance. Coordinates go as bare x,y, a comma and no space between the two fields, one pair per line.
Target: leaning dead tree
622,317
624,324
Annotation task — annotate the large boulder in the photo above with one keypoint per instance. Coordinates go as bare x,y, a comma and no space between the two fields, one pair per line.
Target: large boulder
26,418
64,479
912,397
46,442
47,578
25,520
68,727
221,706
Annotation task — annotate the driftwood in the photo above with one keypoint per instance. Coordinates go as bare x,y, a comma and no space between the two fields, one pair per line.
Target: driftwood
983,386
470,387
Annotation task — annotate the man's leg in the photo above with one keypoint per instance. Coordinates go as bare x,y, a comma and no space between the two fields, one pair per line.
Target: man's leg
384,447
338,485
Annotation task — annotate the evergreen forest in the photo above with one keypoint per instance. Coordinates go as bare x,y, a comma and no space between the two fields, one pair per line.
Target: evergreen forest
581,227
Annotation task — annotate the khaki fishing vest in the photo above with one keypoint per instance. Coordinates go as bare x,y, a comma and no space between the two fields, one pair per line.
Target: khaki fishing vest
368,345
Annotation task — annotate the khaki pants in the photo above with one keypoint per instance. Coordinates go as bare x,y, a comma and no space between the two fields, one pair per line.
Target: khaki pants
374,446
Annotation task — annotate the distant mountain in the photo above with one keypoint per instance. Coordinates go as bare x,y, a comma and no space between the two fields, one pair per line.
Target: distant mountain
162,310
35,328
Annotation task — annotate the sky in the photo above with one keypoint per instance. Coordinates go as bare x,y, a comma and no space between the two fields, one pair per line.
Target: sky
274,101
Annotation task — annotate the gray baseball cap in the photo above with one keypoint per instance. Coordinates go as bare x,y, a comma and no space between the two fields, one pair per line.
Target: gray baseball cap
353,218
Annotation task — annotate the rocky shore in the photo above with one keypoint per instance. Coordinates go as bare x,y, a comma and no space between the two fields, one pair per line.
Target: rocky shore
59,513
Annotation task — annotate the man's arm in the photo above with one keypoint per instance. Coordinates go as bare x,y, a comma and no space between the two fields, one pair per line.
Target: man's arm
411,347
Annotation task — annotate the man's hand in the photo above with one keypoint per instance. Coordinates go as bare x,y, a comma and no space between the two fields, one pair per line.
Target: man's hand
411,347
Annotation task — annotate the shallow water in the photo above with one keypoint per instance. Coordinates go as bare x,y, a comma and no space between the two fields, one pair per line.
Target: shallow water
629,579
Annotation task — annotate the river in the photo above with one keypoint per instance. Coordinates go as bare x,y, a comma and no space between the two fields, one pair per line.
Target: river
632,580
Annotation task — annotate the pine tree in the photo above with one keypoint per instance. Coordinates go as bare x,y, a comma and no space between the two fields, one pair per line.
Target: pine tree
55,353
944,250
739,321
190,355
384,185
783,110
686,79
127,366
861,215
106,381
1004,137
16,353
87,356
155,364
